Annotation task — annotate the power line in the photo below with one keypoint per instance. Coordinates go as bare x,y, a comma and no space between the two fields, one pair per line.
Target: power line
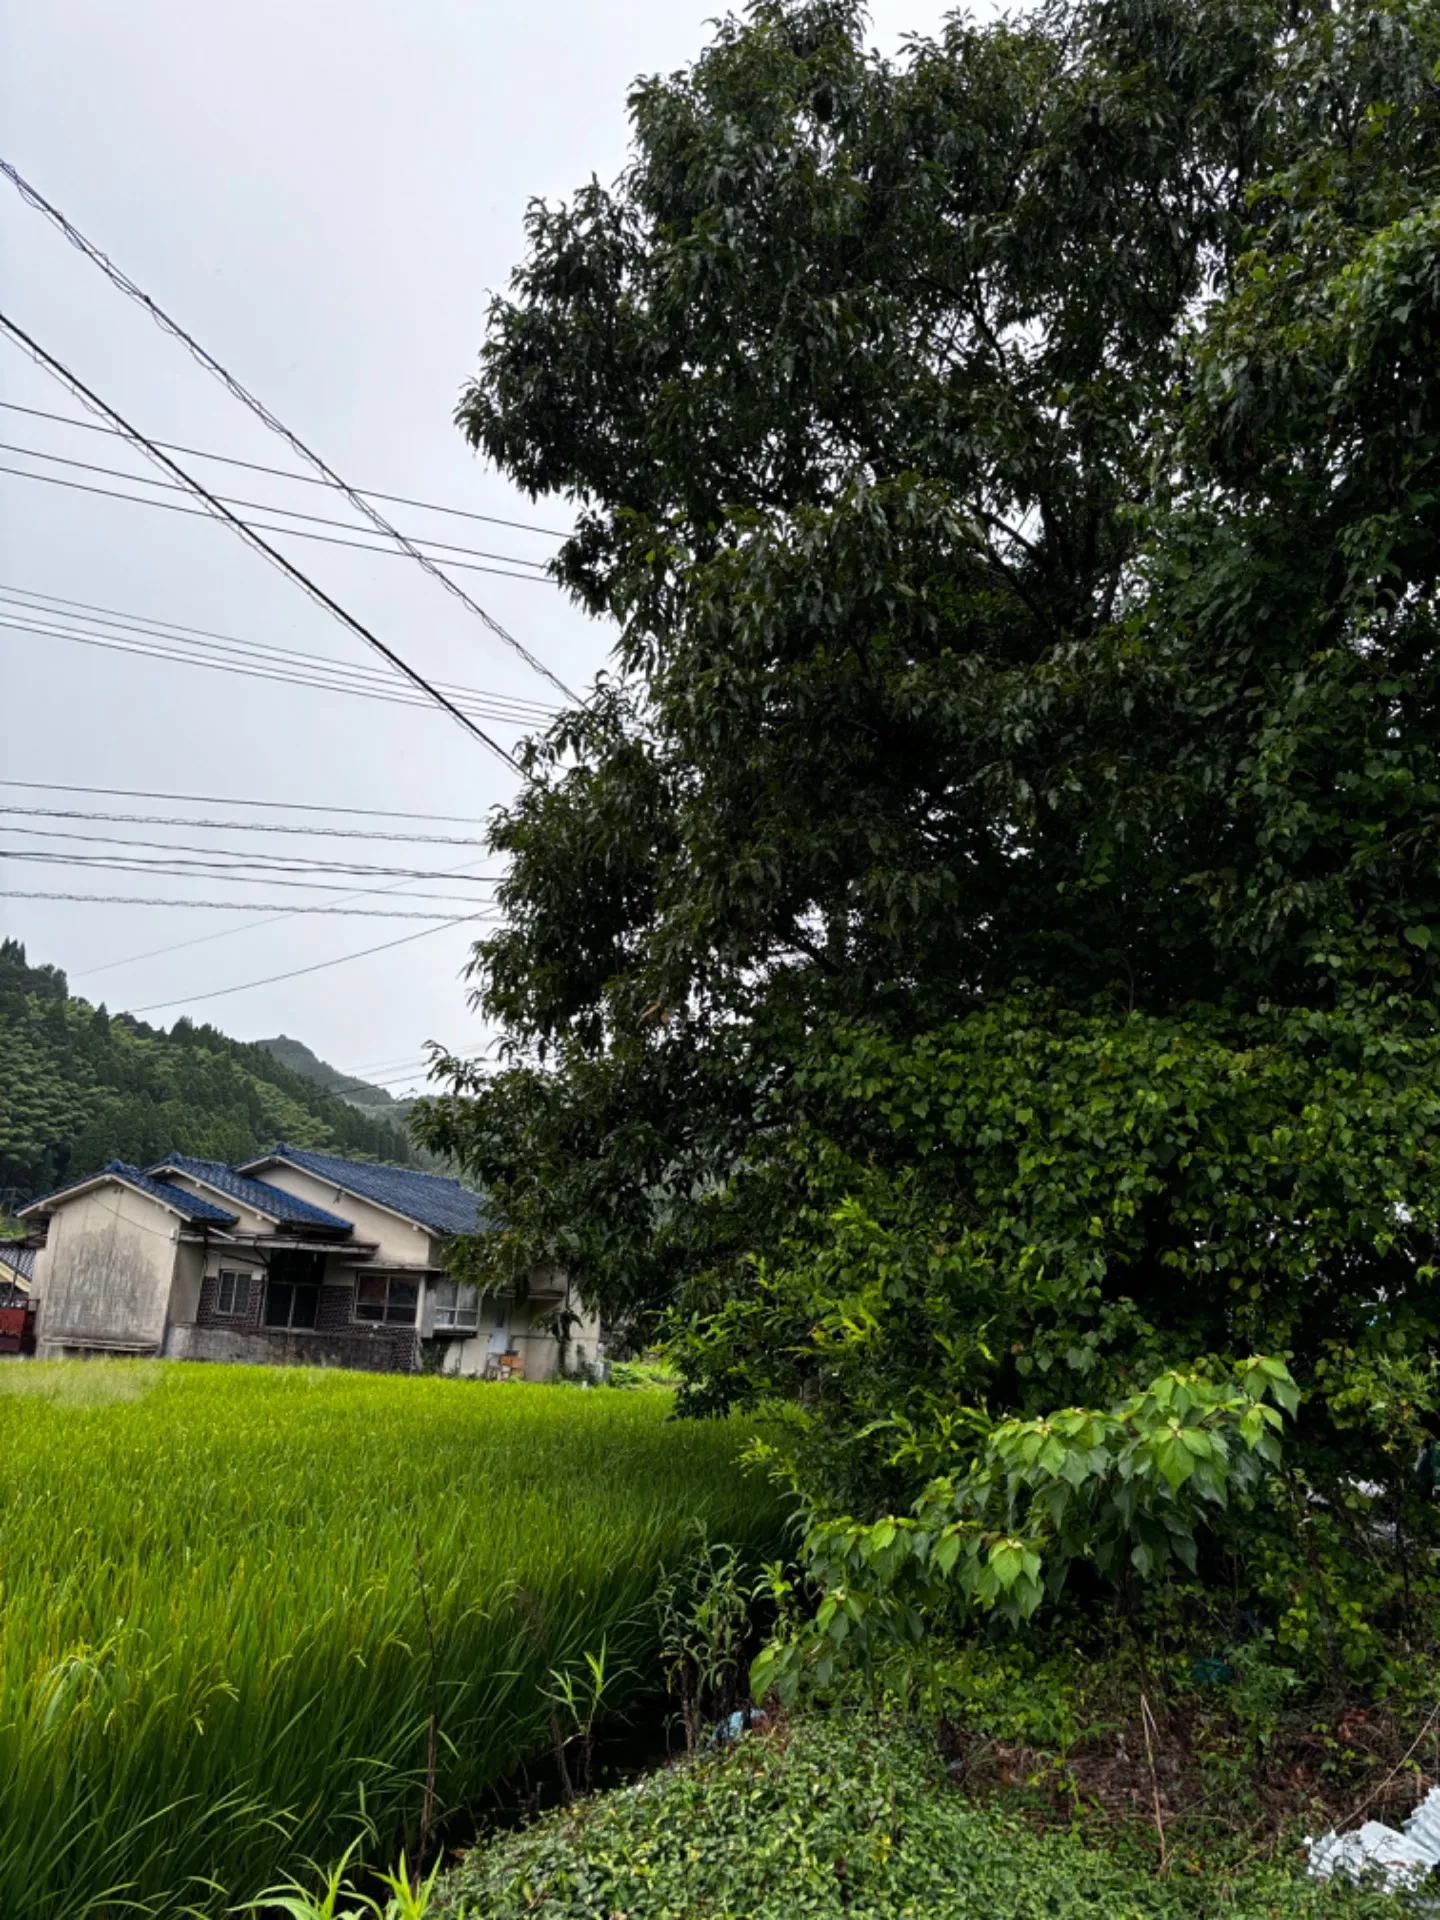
442,547
225,826
266,526
220,800
217,858
247,926
192,870
159,1006
298,479
238,906
198,653
288,567
150,627
207,360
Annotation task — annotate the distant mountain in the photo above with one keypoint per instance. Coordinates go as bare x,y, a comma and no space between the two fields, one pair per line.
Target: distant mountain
298,1057
361,1095
80,1086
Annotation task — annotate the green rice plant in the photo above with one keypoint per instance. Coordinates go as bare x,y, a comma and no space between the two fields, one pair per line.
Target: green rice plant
214,1657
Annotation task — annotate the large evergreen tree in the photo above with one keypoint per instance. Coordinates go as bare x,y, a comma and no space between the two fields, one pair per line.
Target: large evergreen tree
980,941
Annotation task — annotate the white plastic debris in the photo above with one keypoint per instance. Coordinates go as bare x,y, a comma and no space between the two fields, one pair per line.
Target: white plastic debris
1423,1826
1399,1861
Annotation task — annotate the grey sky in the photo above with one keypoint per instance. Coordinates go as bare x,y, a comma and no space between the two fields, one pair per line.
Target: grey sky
324,195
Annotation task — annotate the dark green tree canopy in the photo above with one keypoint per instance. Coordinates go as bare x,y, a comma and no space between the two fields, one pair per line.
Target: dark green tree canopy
1013,471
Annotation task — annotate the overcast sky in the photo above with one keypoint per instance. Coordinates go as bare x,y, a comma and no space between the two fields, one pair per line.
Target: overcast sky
324,195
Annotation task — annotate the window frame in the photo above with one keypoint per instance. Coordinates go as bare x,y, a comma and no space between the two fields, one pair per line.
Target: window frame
461,1312
385,1318
289,1325
241,1275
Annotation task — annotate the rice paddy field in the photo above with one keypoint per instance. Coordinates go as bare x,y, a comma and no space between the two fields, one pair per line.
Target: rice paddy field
213,1655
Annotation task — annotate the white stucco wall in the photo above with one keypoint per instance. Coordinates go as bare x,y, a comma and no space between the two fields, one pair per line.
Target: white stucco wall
105,1274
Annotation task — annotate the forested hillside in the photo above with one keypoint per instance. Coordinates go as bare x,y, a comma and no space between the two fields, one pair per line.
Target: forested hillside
303,1060
79,1086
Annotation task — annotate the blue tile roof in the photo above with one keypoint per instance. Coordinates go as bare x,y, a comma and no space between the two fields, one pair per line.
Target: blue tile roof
427,1198
18,1260
185,1204
258,1194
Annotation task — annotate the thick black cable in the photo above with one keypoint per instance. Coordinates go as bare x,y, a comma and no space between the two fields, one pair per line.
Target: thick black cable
127,286
288,567
297,479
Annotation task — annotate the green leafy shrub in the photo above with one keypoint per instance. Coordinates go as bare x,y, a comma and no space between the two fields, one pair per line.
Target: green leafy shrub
839,1818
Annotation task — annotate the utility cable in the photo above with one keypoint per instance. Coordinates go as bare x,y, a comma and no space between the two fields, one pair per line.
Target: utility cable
221,800
150,627
442,547
197,653
218,993
248,926
238,906
260,505
222,859
288,567
224,826
207,360
267,526
298,479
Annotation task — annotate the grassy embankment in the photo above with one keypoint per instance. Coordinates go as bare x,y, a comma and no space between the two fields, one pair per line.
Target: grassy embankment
214,1659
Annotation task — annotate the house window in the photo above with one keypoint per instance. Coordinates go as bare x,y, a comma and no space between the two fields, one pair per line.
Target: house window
292,1290
291,1303
386,1299
232,1294
457,1307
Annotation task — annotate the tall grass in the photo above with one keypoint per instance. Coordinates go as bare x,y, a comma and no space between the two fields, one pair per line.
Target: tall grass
213,1658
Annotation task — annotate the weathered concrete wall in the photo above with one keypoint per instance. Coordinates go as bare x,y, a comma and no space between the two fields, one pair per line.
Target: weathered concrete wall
109,1263
386,1353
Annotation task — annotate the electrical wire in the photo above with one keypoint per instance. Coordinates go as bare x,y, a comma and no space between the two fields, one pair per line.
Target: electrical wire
297,479
222,859
92,400
218,993
265,526
86,615
247,926
237,906
221,800
224,826
441,547
178,655
127,286
191,870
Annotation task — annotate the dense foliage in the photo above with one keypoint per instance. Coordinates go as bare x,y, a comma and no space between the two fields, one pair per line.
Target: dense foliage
79,1087
216,1659
825,1820
977,954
